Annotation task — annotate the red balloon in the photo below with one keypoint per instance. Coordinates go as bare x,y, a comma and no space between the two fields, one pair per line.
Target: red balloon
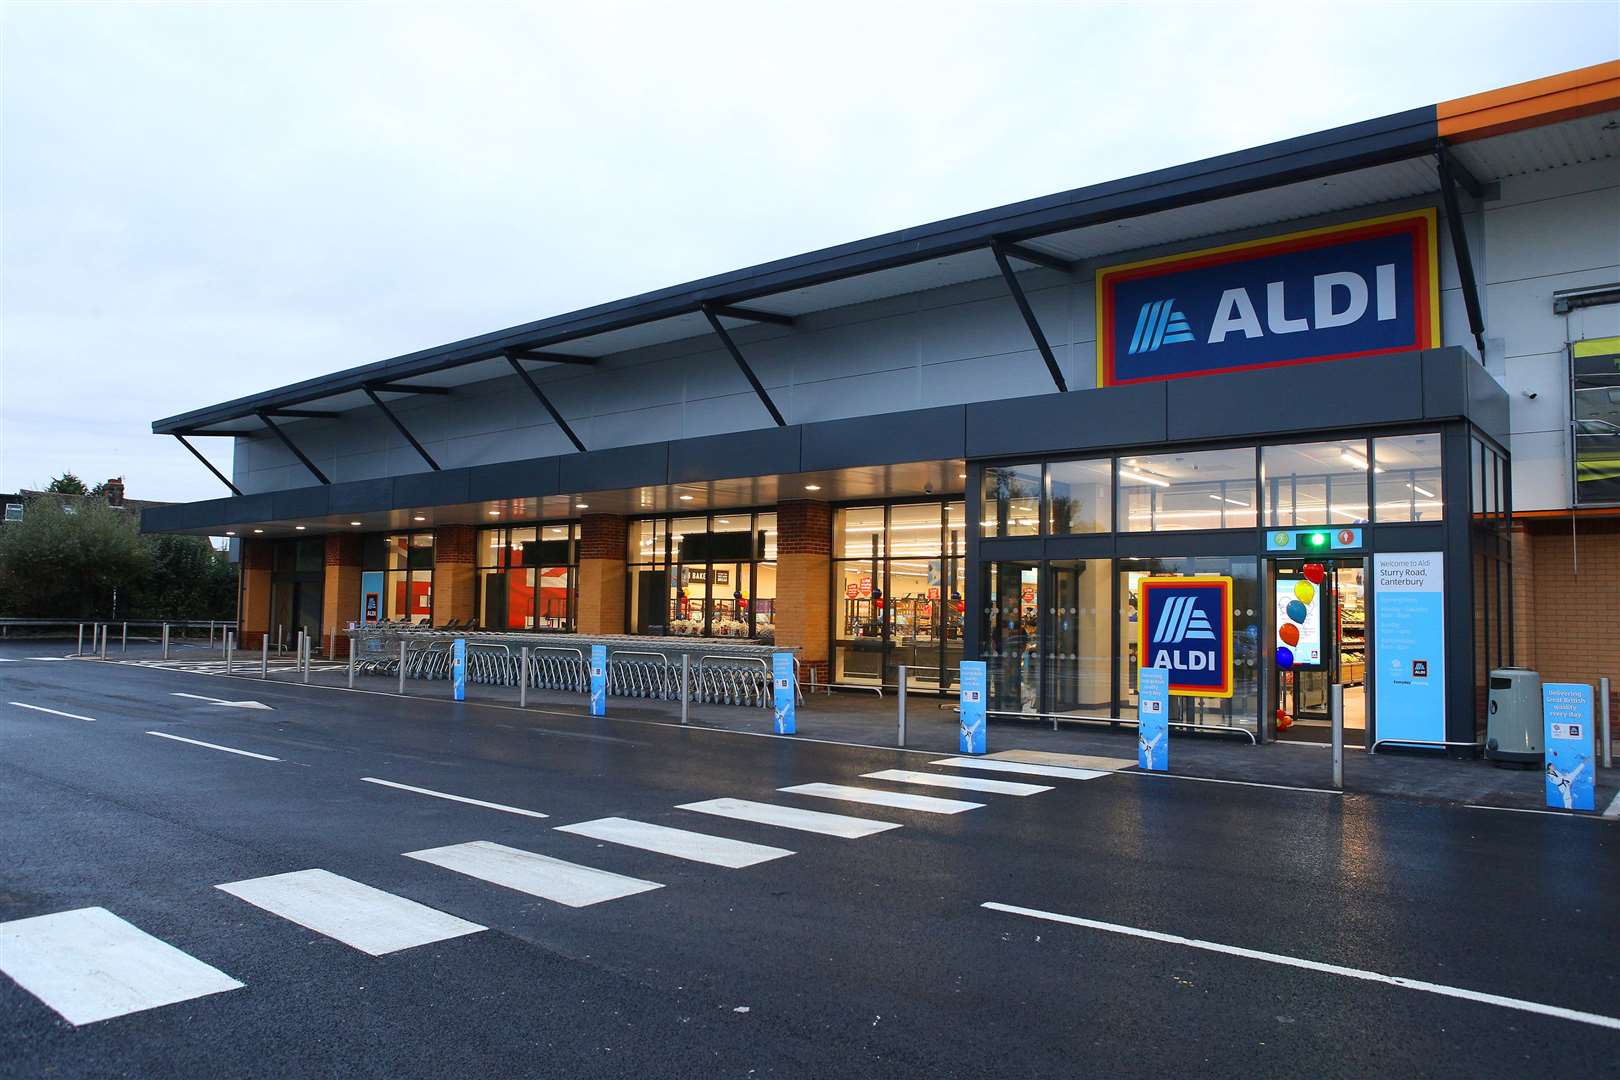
1314,573
1289,634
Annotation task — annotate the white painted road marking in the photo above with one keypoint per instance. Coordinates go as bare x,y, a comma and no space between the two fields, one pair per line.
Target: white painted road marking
899,800
91,965
356,914
455,798
1315,965
538,875
1614,807
213,746
962,783
53,712
222,701
1021,767
699,847
1585,815
791,817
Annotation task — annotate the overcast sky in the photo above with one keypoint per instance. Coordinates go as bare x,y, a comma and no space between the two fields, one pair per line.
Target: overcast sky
206,200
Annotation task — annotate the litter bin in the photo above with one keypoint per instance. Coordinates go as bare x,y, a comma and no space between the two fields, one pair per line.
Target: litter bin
1513,724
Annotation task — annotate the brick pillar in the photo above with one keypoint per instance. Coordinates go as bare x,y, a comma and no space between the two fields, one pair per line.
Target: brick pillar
455,579
803,566
602,540
253,603
1524,604
340,591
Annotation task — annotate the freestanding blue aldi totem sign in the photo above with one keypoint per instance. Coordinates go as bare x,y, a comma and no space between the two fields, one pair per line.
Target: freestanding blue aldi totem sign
458,668
1566,716
1185,628
1153,719
782,693
598,680
972,686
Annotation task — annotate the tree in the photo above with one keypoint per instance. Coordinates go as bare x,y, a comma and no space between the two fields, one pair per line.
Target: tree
61,562
67,484
188,579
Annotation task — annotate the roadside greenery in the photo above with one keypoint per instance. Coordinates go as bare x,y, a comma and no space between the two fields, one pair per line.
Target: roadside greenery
83,559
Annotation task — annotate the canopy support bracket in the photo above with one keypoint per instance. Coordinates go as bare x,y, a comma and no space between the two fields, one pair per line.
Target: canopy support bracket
534,388
711,313
290,445
399,426
1000,252
1451,177
210,465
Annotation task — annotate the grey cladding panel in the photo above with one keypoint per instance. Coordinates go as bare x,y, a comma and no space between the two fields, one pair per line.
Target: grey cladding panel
742,453
527,479
1078,420
360,496
300,503
1445,383
431,488
886,439
1298,397
621,467
197,515
1487,403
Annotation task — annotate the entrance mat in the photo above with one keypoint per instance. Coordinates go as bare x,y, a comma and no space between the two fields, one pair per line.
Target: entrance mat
1073,761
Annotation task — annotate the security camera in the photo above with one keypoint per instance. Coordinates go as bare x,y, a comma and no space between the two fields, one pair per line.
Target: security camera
1531,394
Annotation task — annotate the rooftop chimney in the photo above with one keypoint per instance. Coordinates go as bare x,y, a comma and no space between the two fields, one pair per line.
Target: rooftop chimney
115,491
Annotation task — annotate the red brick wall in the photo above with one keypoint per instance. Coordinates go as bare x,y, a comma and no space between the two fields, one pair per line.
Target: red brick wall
603,536
803,581
1568,605
803,527
602,542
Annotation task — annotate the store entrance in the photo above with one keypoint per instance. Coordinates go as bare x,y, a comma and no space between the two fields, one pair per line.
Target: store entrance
1319,617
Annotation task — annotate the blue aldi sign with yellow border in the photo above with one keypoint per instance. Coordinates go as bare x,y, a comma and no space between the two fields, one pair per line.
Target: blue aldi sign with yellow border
1185,628
1360,289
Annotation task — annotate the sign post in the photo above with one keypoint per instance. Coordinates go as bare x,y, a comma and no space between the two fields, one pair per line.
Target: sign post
1153,719
971,687
598,680
1566,716
458,668
782,690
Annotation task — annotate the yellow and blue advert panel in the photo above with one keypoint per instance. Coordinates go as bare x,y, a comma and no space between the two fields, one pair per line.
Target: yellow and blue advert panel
1361,289
1185,628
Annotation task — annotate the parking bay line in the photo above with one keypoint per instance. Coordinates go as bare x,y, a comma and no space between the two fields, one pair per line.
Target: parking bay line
89,965
961,783
359,915
1558,1011
679,843
455,798
213,746
791,817
898,800
53,712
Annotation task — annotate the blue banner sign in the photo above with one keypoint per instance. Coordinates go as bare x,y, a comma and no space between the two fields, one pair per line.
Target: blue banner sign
371,590
598,680
1153,719
970,686
458,668
1409,647
1566,717
1360,289
782,693
1185,627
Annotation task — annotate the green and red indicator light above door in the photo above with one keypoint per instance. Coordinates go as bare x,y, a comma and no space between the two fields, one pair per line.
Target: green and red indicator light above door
1313,541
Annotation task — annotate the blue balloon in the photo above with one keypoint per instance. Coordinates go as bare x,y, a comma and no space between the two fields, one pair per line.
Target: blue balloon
1285,657
1296,611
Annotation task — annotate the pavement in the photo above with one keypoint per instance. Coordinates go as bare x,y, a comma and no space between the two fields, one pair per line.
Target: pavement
1110,923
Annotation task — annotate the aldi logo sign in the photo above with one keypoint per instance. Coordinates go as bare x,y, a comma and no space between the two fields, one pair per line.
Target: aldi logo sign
1361,289
1184,625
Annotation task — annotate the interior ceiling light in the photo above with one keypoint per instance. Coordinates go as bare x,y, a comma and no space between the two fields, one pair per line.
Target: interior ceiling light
229,533
582,506
354,523
299,528
418,517
1156,481
812,487
686,498
258,530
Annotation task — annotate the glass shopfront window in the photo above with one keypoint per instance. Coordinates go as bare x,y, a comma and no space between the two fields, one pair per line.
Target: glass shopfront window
1010,637
704,575
897,593
527,577
1209,489
1407,478
1322,483
1012,500
406,560
1079,496
1079,649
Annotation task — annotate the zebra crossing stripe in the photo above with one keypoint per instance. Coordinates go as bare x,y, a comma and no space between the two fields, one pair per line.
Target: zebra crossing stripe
538,875
989,765
791,817
680,843
898,800
961,783
89,965
356,914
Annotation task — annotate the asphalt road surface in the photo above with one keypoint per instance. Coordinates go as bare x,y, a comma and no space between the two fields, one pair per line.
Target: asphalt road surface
1105,923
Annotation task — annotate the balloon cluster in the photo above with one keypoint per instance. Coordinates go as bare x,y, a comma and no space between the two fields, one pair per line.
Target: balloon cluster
1288,632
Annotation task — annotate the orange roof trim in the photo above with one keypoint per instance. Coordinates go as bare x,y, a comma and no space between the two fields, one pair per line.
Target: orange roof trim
1531,104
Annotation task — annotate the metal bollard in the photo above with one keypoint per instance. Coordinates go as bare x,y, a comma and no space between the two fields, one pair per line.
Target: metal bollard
123,639
402,667
900,699
165,641
351,663
210,635
1608,757
79,650
230,648
686,684
309,643
1336,718
264,656
523,678
104,629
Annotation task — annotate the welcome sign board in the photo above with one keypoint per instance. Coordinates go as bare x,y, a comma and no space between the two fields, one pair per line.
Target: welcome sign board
1360,289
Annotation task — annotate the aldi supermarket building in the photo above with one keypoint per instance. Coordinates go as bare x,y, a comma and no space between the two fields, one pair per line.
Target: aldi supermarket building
1343,408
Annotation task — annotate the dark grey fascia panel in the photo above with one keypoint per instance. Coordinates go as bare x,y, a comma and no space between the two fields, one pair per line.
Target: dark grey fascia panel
1445,383
360,496
431,488
762,452
180,517
1390,138
1058,423
532,478
886,439
619,467
1487,403
295,503
1298,397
